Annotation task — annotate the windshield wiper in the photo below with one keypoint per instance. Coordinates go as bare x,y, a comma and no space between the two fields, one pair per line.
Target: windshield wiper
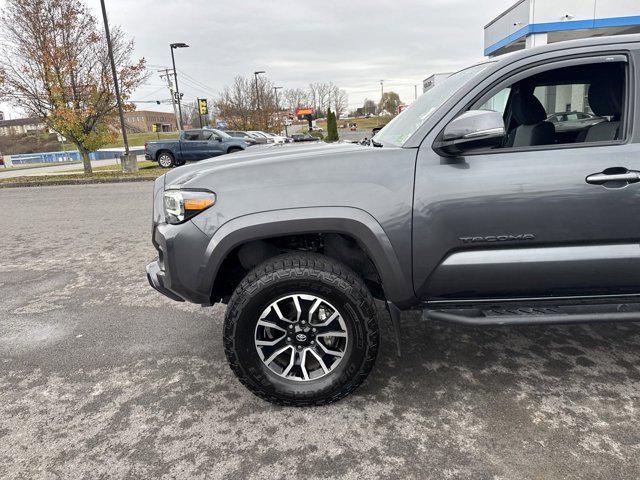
376,144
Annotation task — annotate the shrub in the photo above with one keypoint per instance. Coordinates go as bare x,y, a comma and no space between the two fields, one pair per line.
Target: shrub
332,127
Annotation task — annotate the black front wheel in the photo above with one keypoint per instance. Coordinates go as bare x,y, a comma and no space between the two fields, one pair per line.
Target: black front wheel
301,329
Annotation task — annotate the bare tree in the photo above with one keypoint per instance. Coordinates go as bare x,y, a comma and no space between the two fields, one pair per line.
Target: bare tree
54,65
369,107
235,104
246,108
339,101
296,97
321,94
389,102
191,113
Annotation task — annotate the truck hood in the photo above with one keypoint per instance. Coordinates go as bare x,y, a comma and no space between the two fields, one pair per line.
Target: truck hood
282,155
378,181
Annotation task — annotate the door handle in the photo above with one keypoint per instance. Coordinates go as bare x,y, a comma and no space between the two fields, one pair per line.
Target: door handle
614,175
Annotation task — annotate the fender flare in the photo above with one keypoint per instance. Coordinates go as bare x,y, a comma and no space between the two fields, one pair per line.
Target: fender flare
350,221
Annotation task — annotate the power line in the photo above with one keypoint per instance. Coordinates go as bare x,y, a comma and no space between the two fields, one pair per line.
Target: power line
154,92
203,86
197,88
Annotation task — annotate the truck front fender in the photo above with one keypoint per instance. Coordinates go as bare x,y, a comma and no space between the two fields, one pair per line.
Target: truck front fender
350,221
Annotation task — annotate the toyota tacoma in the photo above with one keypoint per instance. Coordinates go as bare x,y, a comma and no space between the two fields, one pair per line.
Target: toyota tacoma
470,206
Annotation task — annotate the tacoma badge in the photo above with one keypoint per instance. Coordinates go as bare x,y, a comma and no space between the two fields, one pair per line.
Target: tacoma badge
499,238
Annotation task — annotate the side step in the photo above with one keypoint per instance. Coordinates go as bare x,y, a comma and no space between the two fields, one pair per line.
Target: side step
536,314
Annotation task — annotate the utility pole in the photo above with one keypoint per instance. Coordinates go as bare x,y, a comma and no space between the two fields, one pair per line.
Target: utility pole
167,75
381,89
175,77
255,74
275,91
127,164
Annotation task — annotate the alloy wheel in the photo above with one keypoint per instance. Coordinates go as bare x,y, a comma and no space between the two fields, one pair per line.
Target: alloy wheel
301,337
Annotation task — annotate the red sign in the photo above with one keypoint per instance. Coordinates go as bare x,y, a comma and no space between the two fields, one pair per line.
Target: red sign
301,112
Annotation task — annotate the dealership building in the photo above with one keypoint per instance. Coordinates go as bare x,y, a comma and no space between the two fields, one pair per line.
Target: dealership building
530,23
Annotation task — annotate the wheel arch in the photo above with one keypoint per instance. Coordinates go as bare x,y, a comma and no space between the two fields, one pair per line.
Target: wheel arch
352,223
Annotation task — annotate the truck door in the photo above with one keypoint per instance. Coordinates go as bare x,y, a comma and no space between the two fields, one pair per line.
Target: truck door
552,211
191,145
215,146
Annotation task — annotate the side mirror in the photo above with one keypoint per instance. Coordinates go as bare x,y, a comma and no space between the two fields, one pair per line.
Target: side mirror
471,130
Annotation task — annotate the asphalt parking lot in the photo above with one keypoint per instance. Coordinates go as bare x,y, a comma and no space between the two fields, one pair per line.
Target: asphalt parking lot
104,378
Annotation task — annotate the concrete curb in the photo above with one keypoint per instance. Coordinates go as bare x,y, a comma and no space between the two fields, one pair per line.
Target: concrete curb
83,181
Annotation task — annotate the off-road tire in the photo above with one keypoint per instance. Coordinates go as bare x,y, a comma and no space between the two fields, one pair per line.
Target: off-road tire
166,163
304,273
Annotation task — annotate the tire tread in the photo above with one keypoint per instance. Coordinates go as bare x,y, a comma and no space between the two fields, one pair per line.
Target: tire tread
303,265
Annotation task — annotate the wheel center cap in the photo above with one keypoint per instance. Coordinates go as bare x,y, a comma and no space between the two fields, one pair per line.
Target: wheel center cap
301,337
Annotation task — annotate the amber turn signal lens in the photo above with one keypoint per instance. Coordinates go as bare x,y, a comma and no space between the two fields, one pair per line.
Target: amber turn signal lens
197,203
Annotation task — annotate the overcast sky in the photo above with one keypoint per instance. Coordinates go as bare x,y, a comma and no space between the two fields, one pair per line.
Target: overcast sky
352,43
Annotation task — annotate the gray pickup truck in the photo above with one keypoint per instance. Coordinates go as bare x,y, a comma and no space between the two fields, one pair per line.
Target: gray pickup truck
192,145
470,206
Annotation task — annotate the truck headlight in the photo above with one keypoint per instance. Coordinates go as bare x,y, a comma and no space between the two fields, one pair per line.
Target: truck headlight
181,205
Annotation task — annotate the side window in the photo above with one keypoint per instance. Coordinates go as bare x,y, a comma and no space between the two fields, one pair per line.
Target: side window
570,105
191,136
497,103
206,135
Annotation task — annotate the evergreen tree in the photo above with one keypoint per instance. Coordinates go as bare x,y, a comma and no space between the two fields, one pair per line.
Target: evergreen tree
332,127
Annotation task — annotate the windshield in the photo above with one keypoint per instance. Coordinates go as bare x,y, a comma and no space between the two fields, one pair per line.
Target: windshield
406,123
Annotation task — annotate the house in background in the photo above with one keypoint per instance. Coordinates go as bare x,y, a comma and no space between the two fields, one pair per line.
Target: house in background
20,126
142,121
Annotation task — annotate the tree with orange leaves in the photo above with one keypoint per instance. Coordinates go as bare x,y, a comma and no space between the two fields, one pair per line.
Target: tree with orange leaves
54,65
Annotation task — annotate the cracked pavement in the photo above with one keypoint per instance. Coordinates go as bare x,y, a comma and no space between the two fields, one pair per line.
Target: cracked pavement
102,377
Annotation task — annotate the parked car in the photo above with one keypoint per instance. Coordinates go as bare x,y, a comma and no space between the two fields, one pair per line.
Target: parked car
2,160
299,137
574,122
276,138
243,136
192,145
257,134
474,216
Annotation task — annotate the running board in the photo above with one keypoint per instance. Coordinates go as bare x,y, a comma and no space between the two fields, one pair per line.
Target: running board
537,315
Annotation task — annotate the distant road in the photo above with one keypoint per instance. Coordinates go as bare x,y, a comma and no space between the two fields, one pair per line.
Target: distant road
53,169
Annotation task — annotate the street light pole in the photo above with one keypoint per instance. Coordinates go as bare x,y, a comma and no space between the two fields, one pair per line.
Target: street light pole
255,74
275,92
115,78
175,77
